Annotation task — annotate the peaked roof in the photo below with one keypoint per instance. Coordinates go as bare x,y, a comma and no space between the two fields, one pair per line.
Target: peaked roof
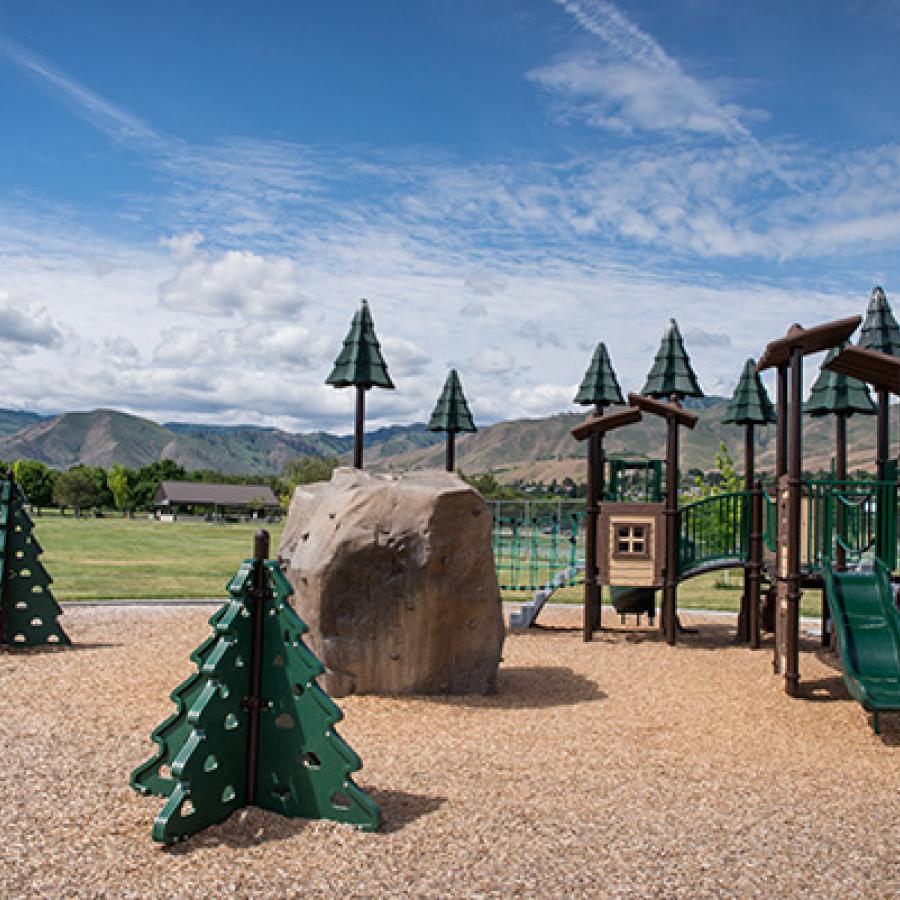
599,385
880,330
672,372
360,361
202,493
452,412
834,393
750,403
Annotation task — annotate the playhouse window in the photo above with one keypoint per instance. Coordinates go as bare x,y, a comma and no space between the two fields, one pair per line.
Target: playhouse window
632,539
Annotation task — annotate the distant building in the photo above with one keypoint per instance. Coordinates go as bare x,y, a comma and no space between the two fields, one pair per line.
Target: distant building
215,499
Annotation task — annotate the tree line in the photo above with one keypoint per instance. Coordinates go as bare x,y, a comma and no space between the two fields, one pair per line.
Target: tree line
128,490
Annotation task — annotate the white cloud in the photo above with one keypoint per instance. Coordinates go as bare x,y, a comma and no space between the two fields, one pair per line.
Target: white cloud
182,246
491,361
25,326
237,281
473,310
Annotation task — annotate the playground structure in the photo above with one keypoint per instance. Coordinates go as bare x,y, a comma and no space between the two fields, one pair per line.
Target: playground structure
251,725
28,610
811,534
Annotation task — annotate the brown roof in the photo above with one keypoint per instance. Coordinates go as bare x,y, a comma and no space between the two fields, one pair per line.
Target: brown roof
200,493
604,423
877,368
809,340
661,408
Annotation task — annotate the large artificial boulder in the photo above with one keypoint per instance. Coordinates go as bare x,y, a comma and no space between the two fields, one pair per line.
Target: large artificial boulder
395,578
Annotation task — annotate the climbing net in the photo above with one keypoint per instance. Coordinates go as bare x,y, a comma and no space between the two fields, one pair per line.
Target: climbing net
538,544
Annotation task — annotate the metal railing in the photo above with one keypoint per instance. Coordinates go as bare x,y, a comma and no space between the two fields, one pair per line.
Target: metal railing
714,530
538,544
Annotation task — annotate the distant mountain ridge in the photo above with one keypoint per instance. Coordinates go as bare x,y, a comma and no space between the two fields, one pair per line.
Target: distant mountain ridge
530,449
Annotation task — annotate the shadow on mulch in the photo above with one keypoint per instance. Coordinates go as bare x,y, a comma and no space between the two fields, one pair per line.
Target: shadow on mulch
58,648
822,690
399,809
252,826
530,687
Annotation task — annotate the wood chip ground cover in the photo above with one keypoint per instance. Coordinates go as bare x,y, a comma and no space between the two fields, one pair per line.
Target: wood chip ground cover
619,767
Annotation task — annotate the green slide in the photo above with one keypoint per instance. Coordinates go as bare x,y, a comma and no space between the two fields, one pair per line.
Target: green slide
868,631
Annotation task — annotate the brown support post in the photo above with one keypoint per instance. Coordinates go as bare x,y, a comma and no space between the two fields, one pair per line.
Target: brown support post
254,702
795,475
451,451
669,616
594,494
840,474
10,526
755,568
781,404
743,630
883,437
359,430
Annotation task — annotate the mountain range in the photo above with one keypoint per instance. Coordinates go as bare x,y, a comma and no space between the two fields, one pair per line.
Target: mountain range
529,449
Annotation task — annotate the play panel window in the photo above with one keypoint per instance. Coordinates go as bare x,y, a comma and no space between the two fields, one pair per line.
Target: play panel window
632,540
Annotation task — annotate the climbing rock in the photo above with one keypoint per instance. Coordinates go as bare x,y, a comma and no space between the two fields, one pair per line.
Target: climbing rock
395,578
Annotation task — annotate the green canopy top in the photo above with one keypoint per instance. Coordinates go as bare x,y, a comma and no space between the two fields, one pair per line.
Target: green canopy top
750,403
671,372
833,393
880,330
599,387
360,361
451,412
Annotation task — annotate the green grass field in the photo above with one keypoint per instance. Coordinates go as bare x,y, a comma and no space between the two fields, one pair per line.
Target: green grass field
111,558
696,593
135,558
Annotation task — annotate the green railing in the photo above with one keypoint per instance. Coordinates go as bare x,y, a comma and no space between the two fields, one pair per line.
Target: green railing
538,544
715,530
856,518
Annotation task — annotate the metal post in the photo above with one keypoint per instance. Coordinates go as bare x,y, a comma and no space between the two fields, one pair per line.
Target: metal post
743,632
451,451
670,595
591,569
781,404
883,438
359,430
255,702
755,580
795,475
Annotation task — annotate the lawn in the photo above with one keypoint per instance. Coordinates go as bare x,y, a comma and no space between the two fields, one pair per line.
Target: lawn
716,591
137,558
109,558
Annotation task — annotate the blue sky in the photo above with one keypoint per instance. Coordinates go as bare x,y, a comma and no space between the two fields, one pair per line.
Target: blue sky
193,197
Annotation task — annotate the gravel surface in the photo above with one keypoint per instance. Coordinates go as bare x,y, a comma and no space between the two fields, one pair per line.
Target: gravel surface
620,767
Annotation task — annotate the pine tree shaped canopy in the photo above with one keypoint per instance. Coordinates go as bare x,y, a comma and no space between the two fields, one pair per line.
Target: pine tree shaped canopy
672,372
750,403
451,413
600,387
360,361
880,330
833,393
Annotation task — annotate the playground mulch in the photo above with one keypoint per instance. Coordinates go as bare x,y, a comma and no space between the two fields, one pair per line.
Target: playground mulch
623,766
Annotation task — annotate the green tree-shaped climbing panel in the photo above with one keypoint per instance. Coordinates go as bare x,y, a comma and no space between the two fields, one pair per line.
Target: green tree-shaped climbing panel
29,611
303,767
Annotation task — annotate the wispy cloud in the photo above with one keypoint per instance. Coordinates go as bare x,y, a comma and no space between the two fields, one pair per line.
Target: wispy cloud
109,118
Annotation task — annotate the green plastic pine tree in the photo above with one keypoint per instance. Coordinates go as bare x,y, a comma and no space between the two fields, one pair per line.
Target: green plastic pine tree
750,403
451,413
303,767
360,362
880,330
671,374
28,610
600,387
836,394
